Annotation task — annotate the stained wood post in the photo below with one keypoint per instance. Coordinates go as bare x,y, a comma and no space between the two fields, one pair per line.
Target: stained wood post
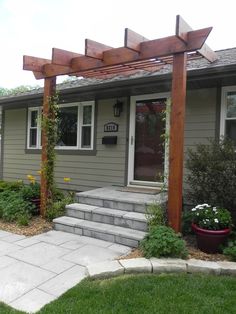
176,148
49,90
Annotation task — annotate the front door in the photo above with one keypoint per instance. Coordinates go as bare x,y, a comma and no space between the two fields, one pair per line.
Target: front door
147,143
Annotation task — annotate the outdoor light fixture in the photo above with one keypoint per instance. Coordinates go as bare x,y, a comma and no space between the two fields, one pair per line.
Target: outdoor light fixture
118,108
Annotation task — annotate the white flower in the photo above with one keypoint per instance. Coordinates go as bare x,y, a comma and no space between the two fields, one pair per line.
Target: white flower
197,214
193,209
216,220
198,206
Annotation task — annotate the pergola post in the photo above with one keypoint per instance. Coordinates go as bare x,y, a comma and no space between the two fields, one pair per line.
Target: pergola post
176,148
49,90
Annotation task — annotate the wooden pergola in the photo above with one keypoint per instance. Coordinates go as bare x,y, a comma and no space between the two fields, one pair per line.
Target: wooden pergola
138,53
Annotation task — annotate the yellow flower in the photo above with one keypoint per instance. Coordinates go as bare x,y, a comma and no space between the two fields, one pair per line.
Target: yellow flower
30,177
67,179
39,172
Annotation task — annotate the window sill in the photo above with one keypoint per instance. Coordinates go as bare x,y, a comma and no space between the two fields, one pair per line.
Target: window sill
85,152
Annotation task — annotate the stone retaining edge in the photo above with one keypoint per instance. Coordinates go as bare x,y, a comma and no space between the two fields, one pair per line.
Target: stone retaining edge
159,265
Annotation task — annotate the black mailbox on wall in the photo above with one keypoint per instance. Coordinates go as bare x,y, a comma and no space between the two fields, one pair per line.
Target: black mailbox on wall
109,140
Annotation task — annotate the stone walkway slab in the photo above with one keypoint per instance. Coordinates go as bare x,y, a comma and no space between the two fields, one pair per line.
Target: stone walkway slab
36,270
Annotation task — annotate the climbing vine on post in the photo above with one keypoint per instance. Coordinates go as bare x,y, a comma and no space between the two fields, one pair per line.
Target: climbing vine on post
49,129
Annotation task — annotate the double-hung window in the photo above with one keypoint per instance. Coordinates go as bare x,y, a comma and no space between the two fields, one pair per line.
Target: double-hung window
34,127
228,113
75,126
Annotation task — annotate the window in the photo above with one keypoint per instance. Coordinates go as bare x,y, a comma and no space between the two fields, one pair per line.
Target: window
67,127
86,126
228,113
75,126
34,134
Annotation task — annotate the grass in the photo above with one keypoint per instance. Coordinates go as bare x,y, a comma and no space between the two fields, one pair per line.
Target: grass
177,294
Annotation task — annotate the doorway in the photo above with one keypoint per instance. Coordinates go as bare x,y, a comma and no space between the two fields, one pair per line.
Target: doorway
148,149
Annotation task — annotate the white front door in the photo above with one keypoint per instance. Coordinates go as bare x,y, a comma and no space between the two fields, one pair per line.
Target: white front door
148,150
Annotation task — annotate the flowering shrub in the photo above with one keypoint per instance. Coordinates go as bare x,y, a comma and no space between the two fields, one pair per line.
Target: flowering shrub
211,218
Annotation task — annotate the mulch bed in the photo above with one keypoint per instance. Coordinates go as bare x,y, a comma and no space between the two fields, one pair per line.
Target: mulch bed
39,225
194,252
36,225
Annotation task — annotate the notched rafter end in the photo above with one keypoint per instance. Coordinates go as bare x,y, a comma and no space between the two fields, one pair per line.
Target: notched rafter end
132,40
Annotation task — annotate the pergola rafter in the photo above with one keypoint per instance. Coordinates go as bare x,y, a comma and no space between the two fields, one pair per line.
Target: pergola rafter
138,53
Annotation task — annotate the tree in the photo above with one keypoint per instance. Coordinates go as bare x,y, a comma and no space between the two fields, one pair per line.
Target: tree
16,90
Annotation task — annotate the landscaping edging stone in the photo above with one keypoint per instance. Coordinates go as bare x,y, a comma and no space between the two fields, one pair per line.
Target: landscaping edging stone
159,265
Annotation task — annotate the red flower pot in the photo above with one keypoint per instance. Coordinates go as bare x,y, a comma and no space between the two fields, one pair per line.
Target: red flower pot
209,241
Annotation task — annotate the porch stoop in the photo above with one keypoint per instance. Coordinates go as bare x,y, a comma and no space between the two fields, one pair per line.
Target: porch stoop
109,214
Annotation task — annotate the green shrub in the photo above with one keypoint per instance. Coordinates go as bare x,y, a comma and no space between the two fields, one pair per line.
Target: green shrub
31,191
156,215
11,186
162,241
13,205
23,219
187,218
57,208
230,250
212,174
58,195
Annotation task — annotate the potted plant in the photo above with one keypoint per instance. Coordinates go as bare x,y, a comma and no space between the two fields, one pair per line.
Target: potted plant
212,227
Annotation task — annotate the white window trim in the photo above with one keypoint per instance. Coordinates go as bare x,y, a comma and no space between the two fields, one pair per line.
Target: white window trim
223,110
80,106
81,125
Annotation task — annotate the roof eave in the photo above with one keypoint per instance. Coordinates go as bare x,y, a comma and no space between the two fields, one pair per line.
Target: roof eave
220,71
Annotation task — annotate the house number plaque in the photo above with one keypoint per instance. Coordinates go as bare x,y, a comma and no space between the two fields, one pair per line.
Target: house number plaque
111,127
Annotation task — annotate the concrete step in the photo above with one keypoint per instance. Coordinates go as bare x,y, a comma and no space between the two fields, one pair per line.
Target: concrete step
111,202
110,216
117,198
106,232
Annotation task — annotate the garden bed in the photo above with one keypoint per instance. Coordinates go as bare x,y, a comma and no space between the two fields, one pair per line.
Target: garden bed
194,252
36,226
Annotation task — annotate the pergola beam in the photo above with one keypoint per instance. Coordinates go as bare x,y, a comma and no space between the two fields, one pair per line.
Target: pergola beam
68,63
63,57
170,45
133,40
182,31
95,49
34,64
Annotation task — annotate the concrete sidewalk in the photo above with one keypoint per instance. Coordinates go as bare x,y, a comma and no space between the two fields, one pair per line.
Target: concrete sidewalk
36,270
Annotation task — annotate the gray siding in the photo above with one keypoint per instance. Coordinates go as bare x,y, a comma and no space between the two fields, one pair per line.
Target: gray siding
200,120
107,167
200,116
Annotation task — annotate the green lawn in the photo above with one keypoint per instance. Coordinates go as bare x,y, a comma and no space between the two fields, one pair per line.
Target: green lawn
147,294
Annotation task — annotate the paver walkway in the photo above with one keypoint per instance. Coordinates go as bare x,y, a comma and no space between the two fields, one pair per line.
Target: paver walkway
36,270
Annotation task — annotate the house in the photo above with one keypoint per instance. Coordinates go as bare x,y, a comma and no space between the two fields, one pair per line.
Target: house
114,132
111,131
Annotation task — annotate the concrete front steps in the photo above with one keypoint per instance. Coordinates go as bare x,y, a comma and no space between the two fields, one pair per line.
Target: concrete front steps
108,214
